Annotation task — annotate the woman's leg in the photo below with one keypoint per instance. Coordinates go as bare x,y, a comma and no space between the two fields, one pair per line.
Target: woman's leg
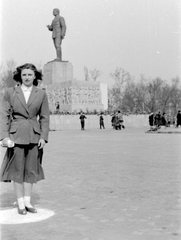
27,197
27,194
19,190
83,125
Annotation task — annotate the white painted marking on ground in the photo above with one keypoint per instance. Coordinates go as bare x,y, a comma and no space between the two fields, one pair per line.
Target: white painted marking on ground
11,216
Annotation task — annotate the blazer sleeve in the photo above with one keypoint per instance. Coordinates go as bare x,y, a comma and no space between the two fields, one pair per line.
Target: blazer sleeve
51,27
44,118
63,25
5,115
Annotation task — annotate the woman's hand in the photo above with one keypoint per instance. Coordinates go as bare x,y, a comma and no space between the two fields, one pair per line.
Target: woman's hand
41,143
6,142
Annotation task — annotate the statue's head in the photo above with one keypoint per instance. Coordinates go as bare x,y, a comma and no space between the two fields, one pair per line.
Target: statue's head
56,11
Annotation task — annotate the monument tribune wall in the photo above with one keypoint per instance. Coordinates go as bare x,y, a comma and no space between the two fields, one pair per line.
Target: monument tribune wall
74,96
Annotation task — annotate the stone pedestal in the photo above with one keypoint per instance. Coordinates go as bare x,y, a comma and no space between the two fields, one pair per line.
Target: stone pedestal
71,95
56,72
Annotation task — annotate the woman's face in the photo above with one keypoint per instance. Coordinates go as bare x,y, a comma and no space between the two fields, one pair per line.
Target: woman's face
27,76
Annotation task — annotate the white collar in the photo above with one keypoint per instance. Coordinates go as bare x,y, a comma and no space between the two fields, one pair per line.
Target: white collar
25,88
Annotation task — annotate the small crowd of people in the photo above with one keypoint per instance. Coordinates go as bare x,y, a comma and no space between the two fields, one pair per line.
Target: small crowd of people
117,120
157,120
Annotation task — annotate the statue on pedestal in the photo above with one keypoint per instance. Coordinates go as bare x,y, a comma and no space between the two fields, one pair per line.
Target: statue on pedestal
58,28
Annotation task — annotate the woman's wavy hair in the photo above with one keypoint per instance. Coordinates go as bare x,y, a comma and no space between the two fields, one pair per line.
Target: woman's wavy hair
17,73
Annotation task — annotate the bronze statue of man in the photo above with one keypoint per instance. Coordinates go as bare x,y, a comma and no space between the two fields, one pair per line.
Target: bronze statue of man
58,28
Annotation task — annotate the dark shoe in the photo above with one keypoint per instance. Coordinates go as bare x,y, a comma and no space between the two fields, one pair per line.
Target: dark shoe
22,211
31,210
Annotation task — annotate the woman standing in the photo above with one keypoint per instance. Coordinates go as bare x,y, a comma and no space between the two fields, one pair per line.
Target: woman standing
24,129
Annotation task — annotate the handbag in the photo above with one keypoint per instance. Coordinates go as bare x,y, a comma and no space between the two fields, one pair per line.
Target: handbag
10,150
7,142
5,164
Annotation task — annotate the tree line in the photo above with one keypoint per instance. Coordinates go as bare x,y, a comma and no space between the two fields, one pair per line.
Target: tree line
145,95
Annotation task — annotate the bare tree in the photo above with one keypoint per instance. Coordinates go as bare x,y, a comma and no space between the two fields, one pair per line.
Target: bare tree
6,79
145,95
95,74
175,97
2,76
121,77
129,100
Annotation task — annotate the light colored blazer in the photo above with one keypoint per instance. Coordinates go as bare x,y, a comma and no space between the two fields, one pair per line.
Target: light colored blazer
58,27
30,122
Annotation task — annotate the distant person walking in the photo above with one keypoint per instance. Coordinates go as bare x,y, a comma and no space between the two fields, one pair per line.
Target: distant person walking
57,107
120,120
168,119
178,119
163,120
157,119
113,120
82,120
151,120
101,121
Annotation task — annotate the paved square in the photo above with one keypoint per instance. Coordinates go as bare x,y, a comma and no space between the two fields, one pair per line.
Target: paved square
105,185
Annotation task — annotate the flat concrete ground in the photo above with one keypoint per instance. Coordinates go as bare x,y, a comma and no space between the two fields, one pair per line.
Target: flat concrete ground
105,185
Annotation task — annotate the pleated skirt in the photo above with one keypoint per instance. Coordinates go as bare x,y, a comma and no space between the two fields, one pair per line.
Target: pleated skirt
22,163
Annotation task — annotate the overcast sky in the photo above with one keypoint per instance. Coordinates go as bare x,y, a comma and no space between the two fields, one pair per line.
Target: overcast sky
141,36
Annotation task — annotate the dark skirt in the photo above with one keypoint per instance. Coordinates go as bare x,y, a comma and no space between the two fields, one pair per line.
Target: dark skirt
22,163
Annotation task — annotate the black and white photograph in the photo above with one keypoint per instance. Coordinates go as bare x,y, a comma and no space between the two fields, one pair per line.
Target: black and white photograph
90,120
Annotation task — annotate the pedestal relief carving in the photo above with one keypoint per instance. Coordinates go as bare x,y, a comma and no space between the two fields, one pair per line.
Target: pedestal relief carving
70,95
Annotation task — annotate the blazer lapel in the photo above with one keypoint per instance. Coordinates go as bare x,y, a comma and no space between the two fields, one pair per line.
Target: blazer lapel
20,95
33,95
